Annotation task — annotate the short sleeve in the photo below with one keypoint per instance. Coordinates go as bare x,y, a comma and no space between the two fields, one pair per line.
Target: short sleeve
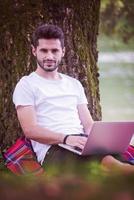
23,94
81,94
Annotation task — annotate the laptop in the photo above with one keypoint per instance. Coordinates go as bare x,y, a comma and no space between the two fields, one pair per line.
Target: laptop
106,138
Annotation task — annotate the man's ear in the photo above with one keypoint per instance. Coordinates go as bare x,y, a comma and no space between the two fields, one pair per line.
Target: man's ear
63,52
33,50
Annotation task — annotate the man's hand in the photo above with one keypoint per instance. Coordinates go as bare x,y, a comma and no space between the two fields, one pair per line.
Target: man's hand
76,141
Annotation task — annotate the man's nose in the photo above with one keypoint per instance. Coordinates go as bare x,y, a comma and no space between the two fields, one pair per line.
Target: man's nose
49,55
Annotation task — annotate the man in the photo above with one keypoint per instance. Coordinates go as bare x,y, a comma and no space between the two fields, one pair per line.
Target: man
52,107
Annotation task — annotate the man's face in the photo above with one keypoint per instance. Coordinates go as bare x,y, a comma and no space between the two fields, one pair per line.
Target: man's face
48,54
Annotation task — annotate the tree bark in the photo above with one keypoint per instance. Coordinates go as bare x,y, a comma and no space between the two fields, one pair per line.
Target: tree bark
79,20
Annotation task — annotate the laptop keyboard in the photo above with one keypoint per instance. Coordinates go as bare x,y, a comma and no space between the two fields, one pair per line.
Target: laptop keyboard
78,149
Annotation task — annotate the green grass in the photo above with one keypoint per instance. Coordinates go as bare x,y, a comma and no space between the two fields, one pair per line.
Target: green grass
66,183
113,44
2,166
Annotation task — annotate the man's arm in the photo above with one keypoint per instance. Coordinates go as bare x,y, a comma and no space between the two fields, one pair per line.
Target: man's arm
31,129
87,122
28,121
85,117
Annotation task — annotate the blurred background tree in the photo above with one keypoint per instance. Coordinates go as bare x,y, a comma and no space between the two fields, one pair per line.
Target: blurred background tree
117,18
116,59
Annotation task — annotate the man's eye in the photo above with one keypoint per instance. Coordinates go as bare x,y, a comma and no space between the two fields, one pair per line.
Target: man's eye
54,50
44,50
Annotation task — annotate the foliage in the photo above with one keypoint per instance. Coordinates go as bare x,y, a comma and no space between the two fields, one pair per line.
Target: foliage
117,18
64,183
114,44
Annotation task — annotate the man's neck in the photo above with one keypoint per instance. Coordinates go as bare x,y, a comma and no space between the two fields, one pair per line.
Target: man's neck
48,75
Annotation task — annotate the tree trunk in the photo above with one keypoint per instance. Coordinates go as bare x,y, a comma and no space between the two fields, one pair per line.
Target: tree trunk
79,20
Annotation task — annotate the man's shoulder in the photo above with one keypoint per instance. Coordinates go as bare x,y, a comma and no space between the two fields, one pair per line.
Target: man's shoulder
70,78
24,81
27,77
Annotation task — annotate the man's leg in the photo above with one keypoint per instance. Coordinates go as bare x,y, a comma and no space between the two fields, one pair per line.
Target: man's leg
60,157
110,163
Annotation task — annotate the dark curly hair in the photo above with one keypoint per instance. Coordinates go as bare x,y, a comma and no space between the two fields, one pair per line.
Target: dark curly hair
46,31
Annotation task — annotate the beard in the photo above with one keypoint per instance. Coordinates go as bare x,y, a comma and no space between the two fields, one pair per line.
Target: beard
48,67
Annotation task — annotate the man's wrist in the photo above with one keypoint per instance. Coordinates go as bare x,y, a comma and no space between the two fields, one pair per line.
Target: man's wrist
65,139
66,136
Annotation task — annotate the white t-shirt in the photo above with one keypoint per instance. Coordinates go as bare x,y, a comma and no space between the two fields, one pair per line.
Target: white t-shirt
55,102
